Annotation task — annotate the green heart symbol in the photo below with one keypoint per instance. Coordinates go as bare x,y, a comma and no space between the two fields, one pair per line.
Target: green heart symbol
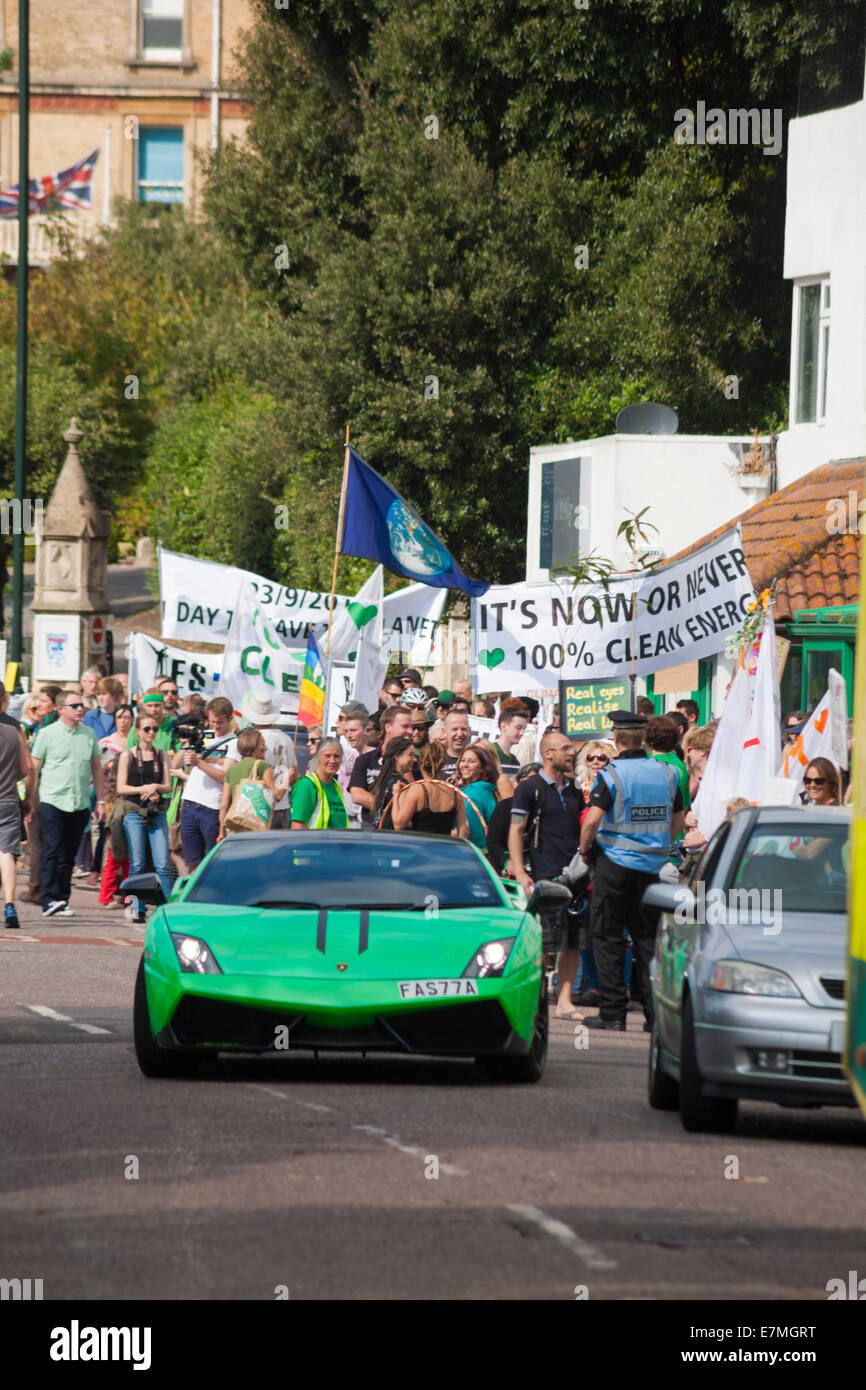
361,615
491,659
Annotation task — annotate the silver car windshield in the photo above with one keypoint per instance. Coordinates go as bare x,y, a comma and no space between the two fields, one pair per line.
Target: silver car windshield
810,870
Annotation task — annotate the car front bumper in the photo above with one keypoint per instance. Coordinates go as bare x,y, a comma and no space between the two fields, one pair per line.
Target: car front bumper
731,1031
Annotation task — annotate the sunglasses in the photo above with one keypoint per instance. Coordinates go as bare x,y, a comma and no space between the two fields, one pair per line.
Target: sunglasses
148,728
814,781
597,758
70,705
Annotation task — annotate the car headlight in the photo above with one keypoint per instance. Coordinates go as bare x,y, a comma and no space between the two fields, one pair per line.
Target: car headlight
490,959
742,977
194,955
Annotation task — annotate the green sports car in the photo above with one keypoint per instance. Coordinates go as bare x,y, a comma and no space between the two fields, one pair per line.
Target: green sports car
338,940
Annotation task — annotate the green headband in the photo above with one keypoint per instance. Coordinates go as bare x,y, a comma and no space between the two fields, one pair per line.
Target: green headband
153,700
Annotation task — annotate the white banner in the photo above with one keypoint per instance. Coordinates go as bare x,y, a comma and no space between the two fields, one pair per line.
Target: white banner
198,597
528,636
257,658
194,673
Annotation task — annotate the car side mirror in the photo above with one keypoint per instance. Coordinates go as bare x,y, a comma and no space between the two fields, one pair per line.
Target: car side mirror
669,897
145,887
548,896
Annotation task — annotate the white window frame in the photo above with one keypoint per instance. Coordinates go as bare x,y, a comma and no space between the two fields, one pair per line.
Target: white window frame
139,56
822,379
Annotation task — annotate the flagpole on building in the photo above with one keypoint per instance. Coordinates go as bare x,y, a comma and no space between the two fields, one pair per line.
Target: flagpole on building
341,519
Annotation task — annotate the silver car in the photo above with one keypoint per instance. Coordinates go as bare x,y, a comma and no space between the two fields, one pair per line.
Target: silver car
749,971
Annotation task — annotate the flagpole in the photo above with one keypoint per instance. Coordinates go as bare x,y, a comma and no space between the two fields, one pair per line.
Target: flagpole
341,519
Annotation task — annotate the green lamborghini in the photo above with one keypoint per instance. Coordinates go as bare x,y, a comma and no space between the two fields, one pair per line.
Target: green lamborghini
338,940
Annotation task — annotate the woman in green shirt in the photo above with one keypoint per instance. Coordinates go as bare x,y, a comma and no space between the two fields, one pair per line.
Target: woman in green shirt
317,798
251,747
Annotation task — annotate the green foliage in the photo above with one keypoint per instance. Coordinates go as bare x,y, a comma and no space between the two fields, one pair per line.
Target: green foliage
425,290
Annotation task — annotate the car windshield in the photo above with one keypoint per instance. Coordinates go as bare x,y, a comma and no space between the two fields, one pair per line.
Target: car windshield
809,867
293,872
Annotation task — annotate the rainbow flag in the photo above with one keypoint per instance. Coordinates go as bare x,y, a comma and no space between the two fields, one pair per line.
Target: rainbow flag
312,707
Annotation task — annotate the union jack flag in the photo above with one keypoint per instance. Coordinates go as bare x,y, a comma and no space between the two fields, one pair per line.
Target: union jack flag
71,188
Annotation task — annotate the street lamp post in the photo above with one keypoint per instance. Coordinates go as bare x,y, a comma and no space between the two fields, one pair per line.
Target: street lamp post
21,372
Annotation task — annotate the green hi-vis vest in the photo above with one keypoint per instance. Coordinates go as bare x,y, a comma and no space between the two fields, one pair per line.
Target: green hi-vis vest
320,819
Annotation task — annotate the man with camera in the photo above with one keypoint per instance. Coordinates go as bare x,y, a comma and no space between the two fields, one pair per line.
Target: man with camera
204,776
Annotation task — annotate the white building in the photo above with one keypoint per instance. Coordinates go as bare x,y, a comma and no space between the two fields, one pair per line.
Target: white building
580,492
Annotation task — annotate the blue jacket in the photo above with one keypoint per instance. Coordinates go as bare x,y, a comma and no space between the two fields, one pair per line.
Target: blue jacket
636,831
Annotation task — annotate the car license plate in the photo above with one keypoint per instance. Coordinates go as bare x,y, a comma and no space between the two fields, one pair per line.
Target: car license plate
837,1035
436,989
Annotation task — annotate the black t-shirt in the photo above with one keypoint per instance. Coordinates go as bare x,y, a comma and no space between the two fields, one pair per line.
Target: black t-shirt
364,774
448,771
560,808
602,795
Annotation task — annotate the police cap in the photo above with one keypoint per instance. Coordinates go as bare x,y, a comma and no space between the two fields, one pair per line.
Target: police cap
625,719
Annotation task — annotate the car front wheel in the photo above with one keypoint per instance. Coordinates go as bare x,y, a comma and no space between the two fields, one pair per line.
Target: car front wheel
531,1066
152,1060
700,1114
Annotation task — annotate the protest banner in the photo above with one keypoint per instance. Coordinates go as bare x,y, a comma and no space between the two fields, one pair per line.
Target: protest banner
194,673
257,658
197,598
585,705
530,636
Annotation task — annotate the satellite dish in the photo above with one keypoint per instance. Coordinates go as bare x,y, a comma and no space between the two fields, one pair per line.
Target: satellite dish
647,418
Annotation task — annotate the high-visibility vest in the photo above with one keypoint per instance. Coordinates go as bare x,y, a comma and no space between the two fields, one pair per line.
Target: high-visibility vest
321,817
636,831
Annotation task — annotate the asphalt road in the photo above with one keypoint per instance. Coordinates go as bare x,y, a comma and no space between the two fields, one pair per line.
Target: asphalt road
318,1175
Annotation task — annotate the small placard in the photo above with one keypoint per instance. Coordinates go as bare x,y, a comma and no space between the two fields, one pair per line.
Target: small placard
585,705
677,680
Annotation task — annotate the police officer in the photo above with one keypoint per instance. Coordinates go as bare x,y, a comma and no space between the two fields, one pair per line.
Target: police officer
635,812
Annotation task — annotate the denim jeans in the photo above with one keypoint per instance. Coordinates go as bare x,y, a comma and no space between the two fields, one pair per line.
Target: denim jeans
61,836
137,837
199,827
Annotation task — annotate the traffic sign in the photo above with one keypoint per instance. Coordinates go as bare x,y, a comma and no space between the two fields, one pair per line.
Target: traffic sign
97,633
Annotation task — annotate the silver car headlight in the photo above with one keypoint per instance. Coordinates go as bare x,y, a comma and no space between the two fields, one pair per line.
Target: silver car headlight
194,955
742,977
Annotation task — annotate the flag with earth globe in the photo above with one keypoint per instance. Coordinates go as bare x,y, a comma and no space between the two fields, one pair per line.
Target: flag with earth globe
380,524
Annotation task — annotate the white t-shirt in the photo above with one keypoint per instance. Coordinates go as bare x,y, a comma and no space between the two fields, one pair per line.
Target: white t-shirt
207,791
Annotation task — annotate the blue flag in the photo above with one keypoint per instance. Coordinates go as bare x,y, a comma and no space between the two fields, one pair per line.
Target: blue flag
381,525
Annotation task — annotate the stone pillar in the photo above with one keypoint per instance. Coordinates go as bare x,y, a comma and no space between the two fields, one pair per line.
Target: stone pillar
70,602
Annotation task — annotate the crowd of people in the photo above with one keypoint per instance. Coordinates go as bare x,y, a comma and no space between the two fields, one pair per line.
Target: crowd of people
101,788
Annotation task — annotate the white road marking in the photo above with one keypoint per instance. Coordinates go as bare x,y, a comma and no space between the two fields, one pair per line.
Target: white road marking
411,1149
17,937
45,1012
307,1104
585,1252
375,1133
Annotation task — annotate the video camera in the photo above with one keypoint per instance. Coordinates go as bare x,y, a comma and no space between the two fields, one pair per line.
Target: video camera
192,732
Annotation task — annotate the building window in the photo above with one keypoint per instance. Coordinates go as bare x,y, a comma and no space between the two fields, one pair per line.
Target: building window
160,35
160,164
812,339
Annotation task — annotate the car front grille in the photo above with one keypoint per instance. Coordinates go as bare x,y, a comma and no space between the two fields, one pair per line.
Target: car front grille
817,1066
199,1021
460,1029
833,985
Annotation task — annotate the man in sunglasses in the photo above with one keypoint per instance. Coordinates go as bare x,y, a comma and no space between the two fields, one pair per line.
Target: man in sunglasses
65,759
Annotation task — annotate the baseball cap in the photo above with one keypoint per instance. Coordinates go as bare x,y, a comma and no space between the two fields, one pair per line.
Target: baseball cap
446,697
410,673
